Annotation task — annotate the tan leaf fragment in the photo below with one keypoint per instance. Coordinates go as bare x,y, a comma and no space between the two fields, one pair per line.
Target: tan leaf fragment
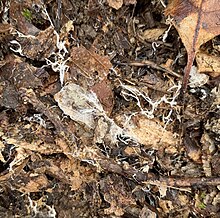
146,212
152,34
150,133
130,2
166,205
208,64
116,4
34,183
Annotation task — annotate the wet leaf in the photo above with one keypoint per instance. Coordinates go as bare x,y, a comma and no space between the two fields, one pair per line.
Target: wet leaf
197,21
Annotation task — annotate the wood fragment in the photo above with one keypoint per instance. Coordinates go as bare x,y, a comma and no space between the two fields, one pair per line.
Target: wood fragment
144,178
152,65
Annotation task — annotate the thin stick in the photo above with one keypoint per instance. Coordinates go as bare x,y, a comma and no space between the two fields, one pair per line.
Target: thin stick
152,65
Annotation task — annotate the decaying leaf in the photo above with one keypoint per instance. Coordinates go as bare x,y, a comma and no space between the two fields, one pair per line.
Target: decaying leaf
197,79
90,63
95,69
150,133
37,47
116,4
19,21
103,90
31,183
208,64
84,107
152,34
197,21
79,104
166,205
146,212
114,192
19,73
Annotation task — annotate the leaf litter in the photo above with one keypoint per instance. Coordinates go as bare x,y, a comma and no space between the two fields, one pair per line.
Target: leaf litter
90,114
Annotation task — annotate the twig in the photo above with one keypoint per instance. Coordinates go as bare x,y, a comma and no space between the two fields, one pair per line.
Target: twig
152,65
150,178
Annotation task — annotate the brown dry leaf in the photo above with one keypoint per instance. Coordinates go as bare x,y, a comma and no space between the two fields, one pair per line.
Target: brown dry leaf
14,74
208,63
105,95
19,73
15,171
130,2
95,68
193,151
197,21
117,194
166,206
146,212
90,63
152,34
151,134
31,183
37,47
116,4
37,145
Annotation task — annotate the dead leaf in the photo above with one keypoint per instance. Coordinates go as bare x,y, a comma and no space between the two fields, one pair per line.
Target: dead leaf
116,4
19,73
79,104
150,133
31,183
90,63
197,21
166,205
146,212
95,69
130,2
37,47
116,193
208,64
152,34
104,93
17,18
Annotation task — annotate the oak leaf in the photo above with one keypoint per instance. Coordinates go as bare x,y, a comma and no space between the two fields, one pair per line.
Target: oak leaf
197,21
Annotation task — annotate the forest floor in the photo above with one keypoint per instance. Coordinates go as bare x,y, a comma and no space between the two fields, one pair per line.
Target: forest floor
92,119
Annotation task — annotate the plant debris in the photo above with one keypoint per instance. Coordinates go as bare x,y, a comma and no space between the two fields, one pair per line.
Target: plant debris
91,118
